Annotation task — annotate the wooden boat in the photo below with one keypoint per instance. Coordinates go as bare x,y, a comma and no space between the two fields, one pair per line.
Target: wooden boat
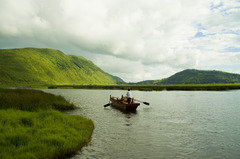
122,104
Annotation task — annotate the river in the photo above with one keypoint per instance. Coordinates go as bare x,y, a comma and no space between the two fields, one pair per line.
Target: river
176,125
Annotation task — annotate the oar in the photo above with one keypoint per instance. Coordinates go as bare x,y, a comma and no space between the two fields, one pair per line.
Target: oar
106,105
146,103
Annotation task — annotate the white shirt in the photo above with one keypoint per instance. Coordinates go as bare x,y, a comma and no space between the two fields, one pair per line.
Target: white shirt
129,94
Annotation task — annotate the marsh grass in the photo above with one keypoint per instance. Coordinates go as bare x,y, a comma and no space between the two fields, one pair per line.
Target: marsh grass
184,87
31,128
32,100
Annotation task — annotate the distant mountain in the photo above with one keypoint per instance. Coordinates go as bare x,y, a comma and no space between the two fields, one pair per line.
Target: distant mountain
49,66
192,76
148,82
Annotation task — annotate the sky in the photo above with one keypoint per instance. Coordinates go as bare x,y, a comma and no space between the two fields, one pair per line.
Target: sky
135,40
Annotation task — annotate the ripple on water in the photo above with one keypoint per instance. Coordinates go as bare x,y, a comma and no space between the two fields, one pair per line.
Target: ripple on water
177,124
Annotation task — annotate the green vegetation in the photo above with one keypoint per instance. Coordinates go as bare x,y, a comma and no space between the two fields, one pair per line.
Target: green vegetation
32,66
192,76
193,87
49,66
31,128
32,100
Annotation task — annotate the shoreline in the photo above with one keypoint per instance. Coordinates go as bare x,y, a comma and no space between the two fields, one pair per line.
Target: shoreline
175,87
33,125
180,87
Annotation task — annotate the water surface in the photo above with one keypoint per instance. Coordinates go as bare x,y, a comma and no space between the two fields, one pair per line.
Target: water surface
177,124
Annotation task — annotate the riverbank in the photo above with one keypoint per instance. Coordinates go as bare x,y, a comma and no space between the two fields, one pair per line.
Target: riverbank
183,87
32,126
193,87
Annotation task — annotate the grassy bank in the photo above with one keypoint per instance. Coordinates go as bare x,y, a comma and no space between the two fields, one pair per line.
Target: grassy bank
32,100
193,87
31,126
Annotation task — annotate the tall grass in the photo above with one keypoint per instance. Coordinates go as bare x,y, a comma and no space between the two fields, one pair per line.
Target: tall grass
185,87
32,100
38,131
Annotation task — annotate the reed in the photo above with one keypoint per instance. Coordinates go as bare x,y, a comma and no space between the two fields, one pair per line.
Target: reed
32,100
38,131
185,87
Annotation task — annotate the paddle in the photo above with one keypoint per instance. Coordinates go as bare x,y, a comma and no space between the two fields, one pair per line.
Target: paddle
106,105
146,103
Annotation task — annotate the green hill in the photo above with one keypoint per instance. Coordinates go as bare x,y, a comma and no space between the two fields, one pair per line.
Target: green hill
192,76
147,82
49,66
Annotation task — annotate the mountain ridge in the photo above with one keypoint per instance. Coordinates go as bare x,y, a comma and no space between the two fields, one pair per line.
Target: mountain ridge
49,66
194,76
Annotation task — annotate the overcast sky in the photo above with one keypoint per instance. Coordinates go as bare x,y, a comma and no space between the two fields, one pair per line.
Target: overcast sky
133,39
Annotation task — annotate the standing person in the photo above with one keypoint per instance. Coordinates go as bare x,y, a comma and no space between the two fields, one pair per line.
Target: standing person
129,96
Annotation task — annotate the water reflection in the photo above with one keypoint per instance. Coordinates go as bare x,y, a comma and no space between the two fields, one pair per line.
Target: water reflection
178,124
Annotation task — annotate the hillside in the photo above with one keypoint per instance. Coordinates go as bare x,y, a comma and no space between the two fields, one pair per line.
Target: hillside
49,66
147,82
192,76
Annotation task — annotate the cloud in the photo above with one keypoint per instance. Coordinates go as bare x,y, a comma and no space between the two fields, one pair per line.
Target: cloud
148,38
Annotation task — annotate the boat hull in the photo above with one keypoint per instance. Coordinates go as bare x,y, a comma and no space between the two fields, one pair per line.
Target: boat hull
123,105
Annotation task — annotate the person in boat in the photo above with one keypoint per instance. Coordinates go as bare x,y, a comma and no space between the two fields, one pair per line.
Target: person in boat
129,96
